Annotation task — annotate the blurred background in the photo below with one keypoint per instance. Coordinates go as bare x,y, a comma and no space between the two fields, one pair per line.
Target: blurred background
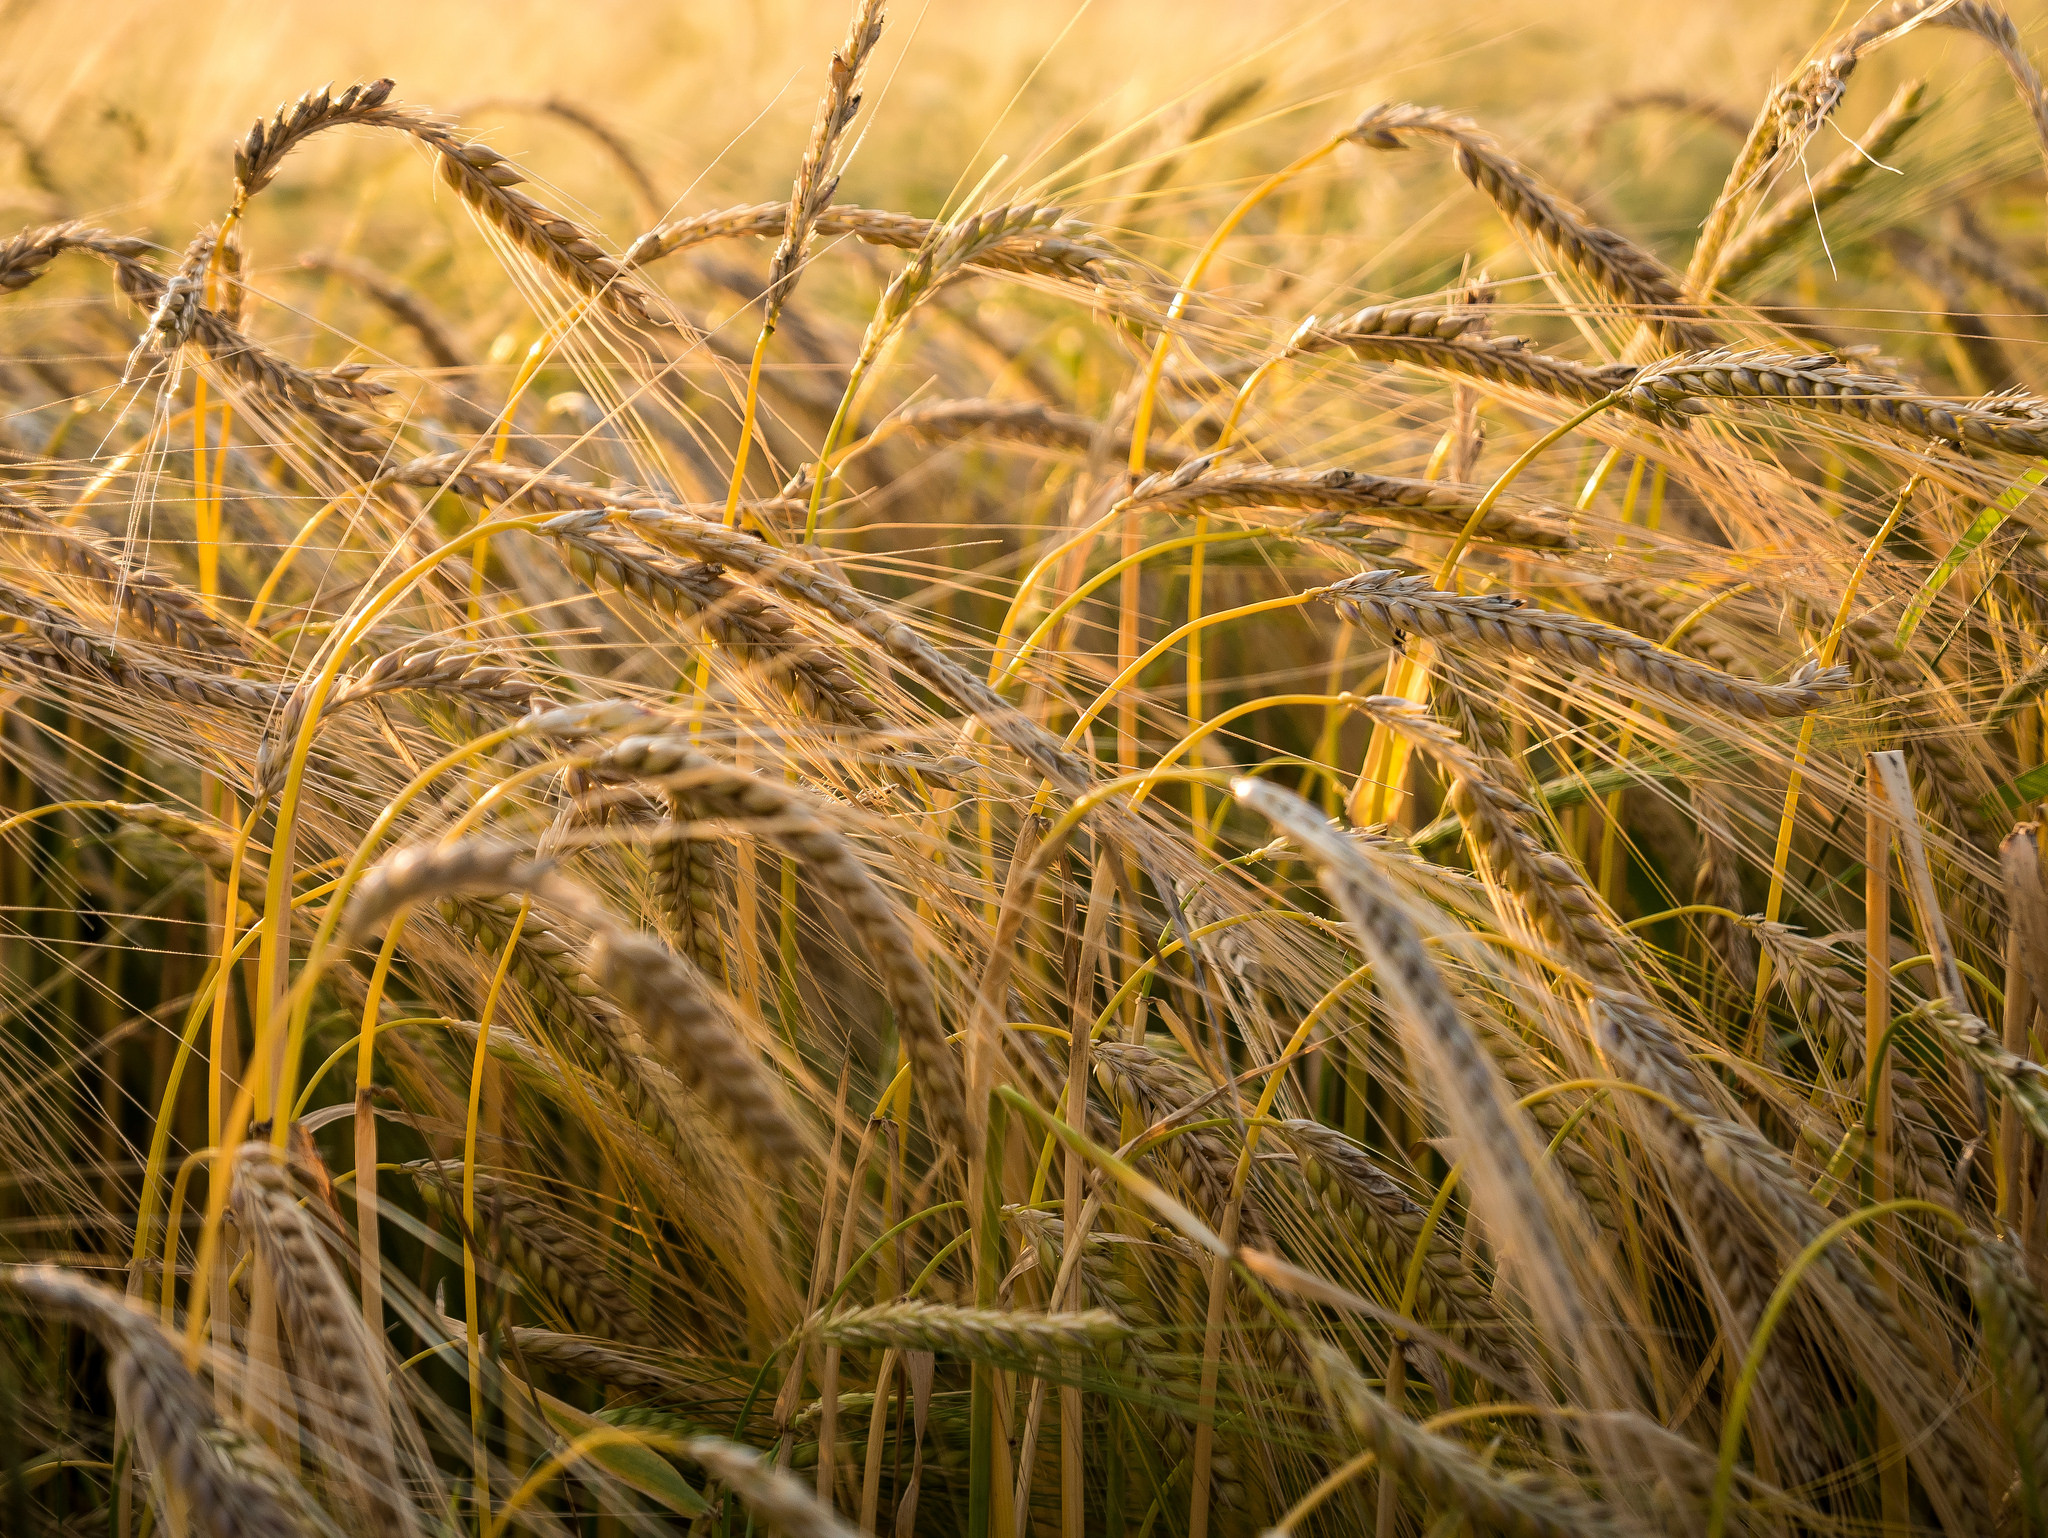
126,113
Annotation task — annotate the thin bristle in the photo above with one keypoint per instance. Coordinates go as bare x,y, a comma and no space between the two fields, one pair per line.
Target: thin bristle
1084,808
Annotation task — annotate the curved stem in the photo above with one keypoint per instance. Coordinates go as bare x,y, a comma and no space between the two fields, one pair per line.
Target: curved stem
1224,718
1124,679
552,1466
1679,912
823,472
739,458
1781,1298
1102,578
1141,422
1508,477
472,1336
1328,1486
292,552
1031,578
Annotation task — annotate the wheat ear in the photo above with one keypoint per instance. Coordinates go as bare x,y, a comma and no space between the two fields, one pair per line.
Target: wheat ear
2014,424
777,1501
481,176
798,824
1066,249
461,669
980,1333
817,176
1390,603
164,611
1431,506
544,963
1451,1297
1449,1475
1776,226
2015,1324
1032,423
1555,894
1423,1002
555,1258
228,1484
328,1340
1447,341
1619,268
674,1005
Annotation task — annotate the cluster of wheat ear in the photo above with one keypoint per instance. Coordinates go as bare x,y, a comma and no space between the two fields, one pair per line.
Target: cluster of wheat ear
1040,867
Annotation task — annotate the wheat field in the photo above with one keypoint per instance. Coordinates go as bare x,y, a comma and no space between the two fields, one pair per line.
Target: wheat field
1135,771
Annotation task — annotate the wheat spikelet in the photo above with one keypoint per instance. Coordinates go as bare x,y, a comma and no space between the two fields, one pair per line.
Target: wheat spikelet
544,964
1793,112
1620,269
754,629
2019,694
687,886
460,669
672,1004
1818,382
2018,1081
1776,226
177,309
817,178
948,250
1431,506
1551,889
975,1332
1450,1297
1026,422
797,825
481,176
1388,602
1512,1200
162,610
326,1335
1065,249
227,1483
595,1361
259,155
1757,1175
425,872
1738,1259
318,397
1154,1089
556,1260
1655,615
1445,341
206,842
60,641
1996,28
1448,1475
807,583
2015,1325
775,1500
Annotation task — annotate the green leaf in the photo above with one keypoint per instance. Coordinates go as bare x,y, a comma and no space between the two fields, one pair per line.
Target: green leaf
2023,791
1979,530
639,1468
